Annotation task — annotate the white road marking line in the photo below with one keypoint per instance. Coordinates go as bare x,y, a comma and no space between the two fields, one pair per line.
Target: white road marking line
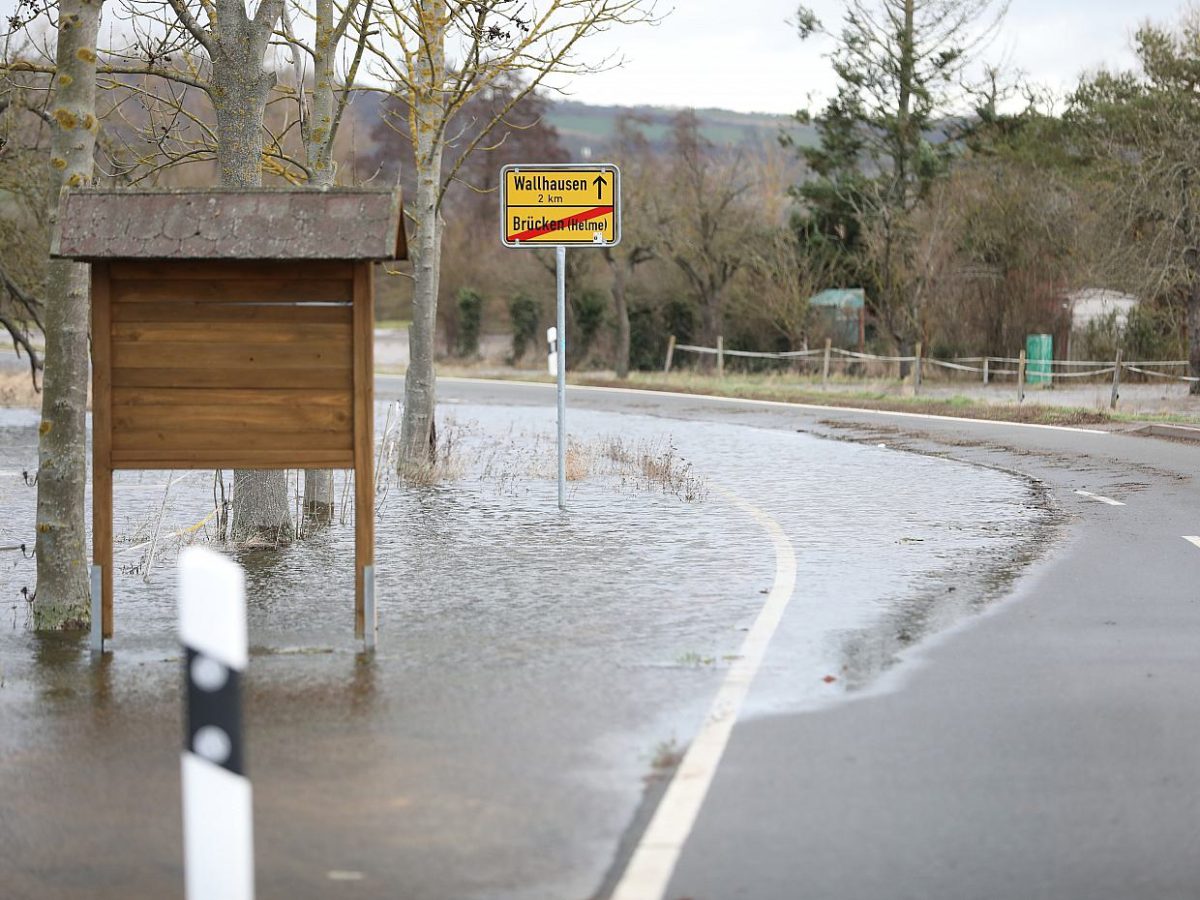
777,403
653,861
1192,539
1099,499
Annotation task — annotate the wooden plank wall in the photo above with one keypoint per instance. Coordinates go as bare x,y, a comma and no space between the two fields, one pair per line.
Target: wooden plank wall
236,365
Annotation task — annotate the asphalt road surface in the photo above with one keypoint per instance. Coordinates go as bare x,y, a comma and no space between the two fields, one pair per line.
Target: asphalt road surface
1048,748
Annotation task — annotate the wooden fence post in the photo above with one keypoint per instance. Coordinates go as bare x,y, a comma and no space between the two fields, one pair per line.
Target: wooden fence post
720,356
1116,388
917,370
825,365
1021,379
670,355
986,360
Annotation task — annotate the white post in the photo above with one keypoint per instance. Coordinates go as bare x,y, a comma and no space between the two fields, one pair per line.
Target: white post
720,356
825,365
370,612
218,831
97,633
561,254
986,359
552,351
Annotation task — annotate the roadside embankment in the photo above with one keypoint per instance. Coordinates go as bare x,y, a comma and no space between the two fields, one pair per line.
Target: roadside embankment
1139,403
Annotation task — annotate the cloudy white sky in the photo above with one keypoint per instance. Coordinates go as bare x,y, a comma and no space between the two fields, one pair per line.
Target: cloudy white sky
742,54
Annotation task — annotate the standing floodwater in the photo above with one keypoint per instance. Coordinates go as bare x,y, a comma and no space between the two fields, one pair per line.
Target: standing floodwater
532,665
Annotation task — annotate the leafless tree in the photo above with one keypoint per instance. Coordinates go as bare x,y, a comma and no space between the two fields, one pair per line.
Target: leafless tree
703,223
437,55
61,544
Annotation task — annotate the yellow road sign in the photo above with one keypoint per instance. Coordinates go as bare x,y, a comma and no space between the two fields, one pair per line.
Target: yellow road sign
560,205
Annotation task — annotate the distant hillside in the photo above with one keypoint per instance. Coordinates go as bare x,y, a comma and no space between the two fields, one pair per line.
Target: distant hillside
590,128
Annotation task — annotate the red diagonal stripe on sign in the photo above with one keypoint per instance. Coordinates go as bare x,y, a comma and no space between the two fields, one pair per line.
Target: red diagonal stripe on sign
562,223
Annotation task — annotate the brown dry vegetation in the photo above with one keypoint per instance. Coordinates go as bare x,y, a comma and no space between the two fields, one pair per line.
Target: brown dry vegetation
16,389
782,391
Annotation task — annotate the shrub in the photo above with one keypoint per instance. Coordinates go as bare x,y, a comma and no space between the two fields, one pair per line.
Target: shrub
470,321
589,310
523,311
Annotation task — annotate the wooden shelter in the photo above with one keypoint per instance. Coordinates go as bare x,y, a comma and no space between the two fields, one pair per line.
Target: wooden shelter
231,329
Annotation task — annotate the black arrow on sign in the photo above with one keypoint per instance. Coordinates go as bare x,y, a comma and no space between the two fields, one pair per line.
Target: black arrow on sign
599,183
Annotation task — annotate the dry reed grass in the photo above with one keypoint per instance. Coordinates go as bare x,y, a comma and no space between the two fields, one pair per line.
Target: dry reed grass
16,390
510,460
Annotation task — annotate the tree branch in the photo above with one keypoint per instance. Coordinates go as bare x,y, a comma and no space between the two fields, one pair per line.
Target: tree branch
188,21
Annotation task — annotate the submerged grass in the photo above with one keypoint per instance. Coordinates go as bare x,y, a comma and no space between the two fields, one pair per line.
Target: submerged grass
511,459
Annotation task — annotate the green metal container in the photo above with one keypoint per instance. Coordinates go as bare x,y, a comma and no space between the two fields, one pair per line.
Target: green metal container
1039,356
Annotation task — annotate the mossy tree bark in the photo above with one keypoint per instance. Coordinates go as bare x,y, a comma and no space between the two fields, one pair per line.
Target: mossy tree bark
319,128
427,119
61,599
237,45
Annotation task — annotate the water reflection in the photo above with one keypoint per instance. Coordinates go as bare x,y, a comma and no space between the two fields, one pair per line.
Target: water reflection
530,661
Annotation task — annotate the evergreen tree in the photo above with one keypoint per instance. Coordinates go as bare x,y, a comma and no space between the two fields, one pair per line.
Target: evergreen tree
886,137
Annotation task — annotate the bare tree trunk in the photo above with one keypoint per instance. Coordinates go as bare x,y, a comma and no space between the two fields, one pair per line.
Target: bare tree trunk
261,517
1193,328
417,435
61,600
239,94
319,132
318,483
417,431
621,308
710,306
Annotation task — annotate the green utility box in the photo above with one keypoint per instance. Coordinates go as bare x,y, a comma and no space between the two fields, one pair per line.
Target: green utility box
1039,358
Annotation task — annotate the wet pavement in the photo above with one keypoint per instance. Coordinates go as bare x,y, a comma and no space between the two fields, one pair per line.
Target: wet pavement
534,665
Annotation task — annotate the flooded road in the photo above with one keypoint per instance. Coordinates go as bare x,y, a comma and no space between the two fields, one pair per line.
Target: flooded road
534,666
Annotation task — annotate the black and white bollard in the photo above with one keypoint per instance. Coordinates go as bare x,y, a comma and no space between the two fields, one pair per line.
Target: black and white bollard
552,350
218,833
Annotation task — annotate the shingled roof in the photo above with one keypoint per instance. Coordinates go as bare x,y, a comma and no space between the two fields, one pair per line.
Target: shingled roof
259,223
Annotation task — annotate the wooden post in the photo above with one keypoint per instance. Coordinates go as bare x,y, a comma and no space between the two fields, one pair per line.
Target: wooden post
670,355
825,365
917,370
364,431
102,469
1116,388
1021,378
720,356
986,360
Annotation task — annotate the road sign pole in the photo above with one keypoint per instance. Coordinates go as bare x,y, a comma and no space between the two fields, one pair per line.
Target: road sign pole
560,206
561,254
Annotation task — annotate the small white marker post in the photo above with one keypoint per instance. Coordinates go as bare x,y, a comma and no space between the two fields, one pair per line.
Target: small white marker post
552,351
218,831
97,634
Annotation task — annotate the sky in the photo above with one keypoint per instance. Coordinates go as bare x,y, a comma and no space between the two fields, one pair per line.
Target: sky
752,61
743,54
